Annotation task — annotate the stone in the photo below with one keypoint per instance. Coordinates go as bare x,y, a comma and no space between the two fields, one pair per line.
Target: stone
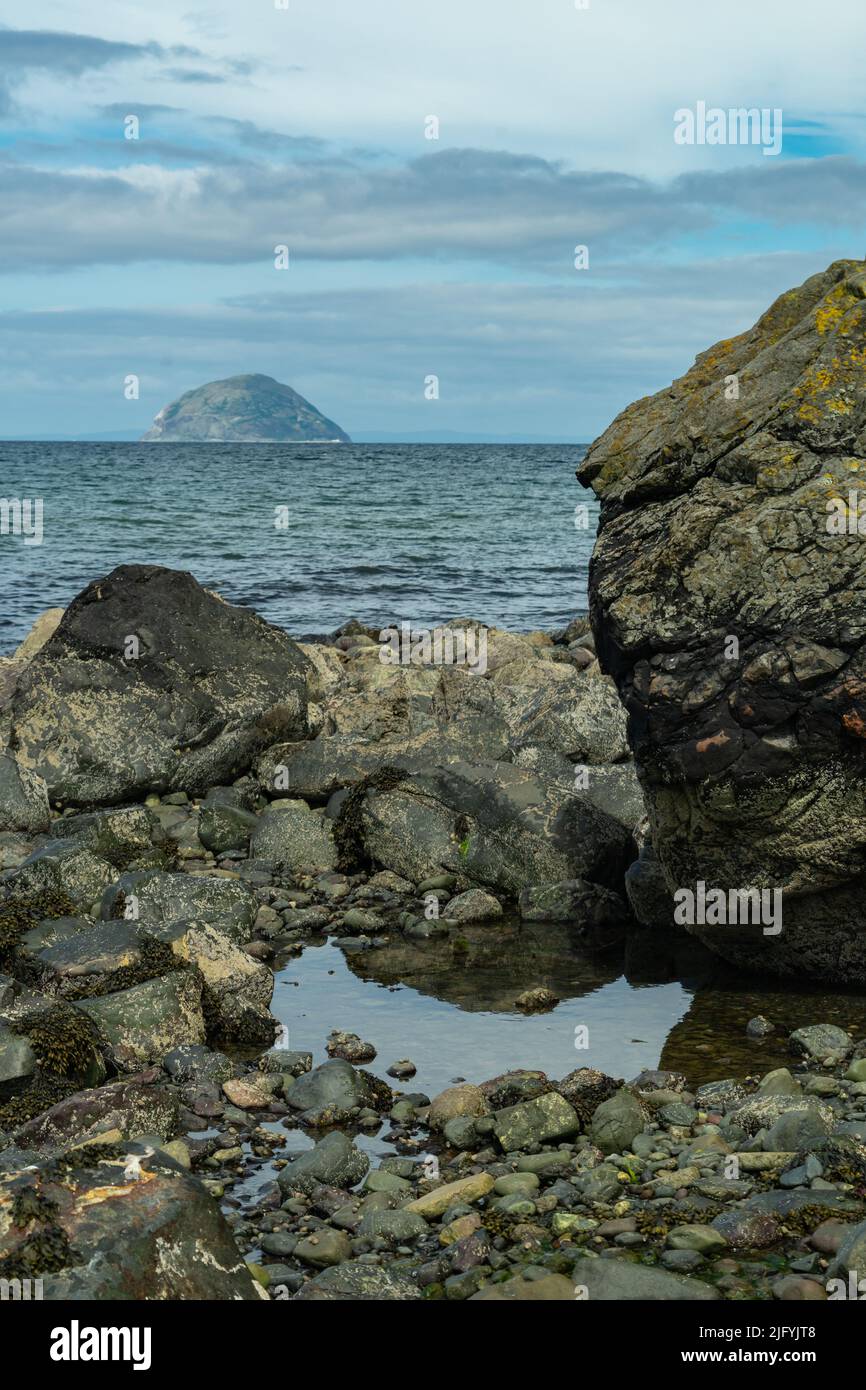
617,1122
588,906
119,835
237,989
582,719
743,1228
820,1040
350,1047
127,1108
63,866
472,906
279,1059
194,1062
355,1281
224,823
324,1248
129,1227
552,1288
402,1068
335,1161
434,1204
398,1226
143,1023
23,798
334,1086
535,1122
762,1112
536,1001
246,1093
759,1027
621,1281
79,959
718,522
703,1239
462,1100
294,837
516,829
162,899
212,685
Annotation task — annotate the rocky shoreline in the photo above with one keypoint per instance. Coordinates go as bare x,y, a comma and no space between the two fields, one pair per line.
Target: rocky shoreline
180,811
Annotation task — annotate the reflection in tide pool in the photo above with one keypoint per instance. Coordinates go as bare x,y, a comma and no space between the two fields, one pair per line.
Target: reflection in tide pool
450,1006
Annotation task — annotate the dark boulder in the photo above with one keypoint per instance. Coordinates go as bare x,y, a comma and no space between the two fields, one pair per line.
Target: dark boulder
728,601
120,1222
151,683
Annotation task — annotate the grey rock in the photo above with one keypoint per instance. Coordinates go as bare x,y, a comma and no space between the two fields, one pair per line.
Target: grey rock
355,1281
211,687
119,834
617,1122
63,866
23,798
513,829
715,523
295,838
142,1024
821,1040
396,1225
535,1122
588,906
163,900
335,1162
621,1281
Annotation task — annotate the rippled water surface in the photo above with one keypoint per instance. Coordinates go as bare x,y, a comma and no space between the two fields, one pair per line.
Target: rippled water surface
381,532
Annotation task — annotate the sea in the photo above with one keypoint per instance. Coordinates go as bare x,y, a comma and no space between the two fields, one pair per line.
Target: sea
307,535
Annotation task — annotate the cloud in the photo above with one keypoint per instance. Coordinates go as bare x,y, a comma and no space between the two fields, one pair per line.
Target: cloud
61,55
502,208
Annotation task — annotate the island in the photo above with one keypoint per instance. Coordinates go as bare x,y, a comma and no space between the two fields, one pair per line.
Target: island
249,409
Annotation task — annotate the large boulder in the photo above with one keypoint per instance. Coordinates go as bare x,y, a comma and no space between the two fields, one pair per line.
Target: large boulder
295,838
727,601
151,683
494,824
118,1222
237,989
132,1106
142,1024
157,899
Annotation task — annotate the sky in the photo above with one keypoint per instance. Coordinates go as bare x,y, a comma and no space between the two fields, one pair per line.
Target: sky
310,125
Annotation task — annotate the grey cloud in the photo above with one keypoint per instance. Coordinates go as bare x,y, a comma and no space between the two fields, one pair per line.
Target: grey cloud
63,54
117,110
503,208
73,54
188,75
